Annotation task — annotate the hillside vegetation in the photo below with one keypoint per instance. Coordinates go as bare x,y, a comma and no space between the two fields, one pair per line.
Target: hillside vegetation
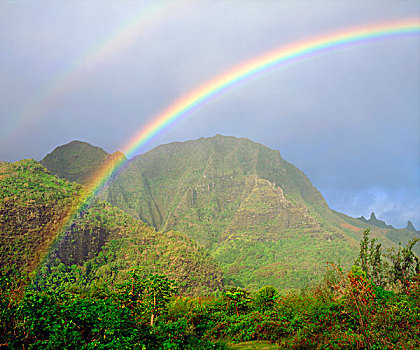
106,244
375,305
99,246
258,215
33,206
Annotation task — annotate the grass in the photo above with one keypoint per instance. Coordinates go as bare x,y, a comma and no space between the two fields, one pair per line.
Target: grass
253,345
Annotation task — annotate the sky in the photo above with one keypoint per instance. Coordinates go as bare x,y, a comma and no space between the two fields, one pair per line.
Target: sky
99,71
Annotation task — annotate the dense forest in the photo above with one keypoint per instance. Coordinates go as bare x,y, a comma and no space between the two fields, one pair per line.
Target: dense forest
277,269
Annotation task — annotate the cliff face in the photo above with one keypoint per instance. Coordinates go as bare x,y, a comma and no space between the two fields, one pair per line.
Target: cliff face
240,200
203,187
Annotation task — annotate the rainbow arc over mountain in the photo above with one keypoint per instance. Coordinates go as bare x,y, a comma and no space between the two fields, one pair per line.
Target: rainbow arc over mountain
233,77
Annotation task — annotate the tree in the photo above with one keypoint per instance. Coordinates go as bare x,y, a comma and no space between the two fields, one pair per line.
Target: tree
404,263
149,296
237,296
402,266
265,298
370,260
158,291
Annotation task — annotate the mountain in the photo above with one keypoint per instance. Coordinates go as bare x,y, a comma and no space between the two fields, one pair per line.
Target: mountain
380,229
258,215
374,221
410,227
178,176
77,161
102,242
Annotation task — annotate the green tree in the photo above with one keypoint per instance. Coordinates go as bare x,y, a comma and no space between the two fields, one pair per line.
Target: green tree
265,298
158,291
370,260
239,298
147,297
404,263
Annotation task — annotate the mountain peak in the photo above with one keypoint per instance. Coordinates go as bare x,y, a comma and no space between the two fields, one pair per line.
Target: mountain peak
410,226
77,160
373,220
362,218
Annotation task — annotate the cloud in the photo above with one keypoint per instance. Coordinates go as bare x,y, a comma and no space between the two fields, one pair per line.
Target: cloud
395,207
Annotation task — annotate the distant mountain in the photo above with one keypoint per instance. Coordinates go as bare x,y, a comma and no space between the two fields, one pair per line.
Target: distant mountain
103,241
258,215
381,229
380,223
77,161
410,227
374,221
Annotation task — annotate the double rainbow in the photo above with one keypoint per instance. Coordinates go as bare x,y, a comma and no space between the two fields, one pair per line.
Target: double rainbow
238,74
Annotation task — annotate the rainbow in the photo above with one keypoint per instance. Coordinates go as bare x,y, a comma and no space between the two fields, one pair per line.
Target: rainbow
237,75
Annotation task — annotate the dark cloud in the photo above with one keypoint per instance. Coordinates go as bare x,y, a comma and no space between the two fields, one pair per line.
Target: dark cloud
350,119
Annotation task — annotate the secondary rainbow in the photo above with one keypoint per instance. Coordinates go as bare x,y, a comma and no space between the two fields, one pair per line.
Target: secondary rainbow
143,18
239,74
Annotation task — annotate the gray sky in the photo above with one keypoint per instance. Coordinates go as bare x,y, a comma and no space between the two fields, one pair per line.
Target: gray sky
99,70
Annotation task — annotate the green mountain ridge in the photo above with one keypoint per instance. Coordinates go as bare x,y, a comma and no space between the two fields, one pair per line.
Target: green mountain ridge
258,215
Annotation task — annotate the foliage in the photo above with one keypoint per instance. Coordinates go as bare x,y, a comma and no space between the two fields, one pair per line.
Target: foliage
265,299
149,296
404,264
370,260
400,268
346,311
237,299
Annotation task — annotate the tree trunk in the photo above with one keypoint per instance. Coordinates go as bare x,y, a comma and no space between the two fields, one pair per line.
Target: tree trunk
153,312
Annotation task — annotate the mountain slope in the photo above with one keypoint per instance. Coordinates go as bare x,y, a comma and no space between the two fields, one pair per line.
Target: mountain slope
258,215
34,203
192,174
109,243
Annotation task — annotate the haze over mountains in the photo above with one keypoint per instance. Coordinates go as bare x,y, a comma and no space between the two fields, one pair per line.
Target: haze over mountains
259,216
